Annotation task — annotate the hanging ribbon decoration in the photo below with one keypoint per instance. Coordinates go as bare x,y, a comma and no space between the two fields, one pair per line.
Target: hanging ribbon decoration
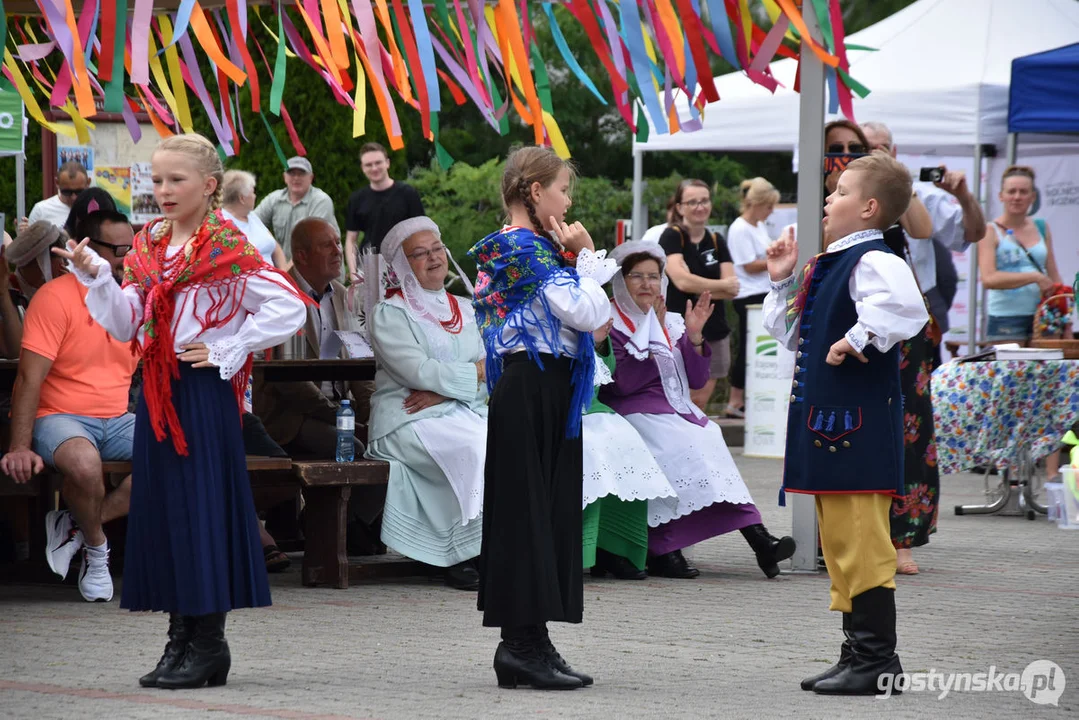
484,52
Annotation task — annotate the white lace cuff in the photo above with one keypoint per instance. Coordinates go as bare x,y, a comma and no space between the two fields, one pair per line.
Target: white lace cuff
783,284
104,271
228,355
596,265
602,374
858,337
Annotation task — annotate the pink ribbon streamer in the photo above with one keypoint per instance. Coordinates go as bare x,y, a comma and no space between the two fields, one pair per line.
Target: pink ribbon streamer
465,82
140,46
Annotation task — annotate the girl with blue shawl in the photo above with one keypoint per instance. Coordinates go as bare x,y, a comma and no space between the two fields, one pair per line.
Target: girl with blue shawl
538,299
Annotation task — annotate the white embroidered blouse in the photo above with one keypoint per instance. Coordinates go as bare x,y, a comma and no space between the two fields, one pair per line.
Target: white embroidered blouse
271,315
889,305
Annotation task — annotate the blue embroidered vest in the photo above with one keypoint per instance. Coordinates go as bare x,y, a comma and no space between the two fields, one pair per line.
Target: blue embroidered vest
845,423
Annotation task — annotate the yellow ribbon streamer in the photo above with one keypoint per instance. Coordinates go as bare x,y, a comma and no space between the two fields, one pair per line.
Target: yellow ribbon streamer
27,96
172,58
288,53
555,135
159,77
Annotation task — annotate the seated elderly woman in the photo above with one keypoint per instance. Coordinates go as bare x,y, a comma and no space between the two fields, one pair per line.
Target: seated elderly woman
659,358
429,408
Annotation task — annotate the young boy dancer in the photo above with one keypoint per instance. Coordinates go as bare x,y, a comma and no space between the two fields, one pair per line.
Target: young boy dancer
844,318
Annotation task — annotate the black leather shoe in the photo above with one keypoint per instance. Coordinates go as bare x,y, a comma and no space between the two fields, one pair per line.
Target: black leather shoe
462,576
529,666
543,642
872,640
844,658
672,565
207,659
769,550
616,565
179,635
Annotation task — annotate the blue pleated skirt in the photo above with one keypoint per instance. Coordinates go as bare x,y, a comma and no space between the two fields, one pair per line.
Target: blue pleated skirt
192,535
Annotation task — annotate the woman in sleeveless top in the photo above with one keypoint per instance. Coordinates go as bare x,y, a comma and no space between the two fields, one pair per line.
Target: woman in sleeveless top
1016,259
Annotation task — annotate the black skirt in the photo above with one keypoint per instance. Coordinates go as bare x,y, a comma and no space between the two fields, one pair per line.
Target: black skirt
530,563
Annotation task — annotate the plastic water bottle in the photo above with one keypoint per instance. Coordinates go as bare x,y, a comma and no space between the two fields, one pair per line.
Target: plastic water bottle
346,432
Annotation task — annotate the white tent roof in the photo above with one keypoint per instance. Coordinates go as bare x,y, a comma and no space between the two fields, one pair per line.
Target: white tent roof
941,72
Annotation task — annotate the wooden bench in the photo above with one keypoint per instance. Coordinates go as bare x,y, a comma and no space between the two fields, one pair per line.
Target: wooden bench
42,489
327,487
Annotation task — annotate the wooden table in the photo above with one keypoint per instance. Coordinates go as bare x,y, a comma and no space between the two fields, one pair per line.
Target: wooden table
316,370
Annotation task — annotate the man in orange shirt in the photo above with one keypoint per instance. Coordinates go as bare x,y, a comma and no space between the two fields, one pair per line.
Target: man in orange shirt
70,410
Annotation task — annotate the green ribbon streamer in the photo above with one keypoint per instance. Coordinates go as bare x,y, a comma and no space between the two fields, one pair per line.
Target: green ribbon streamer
642,126
504,121
273,139
856,87
114,88
543,83
445,160
277,90
824,17
444,15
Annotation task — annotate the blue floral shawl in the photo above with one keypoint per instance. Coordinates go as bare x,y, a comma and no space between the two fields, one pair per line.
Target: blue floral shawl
515,265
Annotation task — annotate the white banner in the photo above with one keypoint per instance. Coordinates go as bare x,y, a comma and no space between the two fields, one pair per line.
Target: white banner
769,374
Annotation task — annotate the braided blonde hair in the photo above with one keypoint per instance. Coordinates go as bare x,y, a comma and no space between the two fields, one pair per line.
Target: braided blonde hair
527,165
206,159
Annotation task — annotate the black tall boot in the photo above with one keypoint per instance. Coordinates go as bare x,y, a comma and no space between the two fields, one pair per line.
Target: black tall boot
207,660
769,550
520,661
543,641
872,640
180,631
844,658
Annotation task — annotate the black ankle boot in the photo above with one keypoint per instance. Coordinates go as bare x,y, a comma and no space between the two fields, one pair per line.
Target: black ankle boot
519,661
462,576
179,635
872,641
844,658
768,549
207,660
616,565
672,565
543,642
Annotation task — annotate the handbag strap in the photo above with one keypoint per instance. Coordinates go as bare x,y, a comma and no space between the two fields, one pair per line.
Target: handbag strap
1015,239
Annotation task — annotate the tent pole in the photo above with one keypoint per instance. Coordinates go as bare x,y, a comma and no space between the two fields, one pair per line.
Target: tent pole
973,326
810,202
1013,147
20,187
638,220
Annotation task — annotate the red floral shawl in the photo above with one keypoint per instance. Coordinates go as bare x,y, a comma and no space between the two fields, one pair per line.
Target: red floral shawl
220,260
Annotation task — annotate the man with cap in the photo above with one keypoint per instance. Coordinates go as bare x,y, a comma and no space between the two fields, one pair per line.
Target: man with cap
282,209
29,253
71,180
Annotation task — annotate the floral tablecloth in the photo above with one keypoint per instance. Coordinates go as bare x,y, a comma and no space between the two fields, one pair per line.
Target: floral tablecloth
985,412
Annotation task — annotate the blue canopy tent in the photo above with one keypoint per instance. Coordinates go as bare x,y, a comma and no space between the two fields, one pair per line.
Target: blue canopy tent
1043,96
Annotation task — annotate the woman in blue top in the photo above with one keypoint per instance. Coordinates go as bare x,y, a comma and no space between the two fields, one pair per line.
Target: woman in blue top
1016,259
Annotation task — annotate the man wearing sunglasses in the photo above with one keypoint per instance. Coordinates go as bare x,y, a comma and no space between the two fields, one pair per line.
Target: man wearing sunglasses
71,180
69,410
957,220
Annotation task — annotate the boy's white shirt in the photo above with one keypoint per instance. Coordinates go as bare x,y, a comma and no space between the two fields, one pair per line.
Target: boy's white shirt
886,297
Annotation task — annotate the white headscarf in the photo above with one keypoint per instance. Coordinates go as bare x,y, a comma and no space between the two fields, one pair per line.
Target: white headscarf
646,336
430,308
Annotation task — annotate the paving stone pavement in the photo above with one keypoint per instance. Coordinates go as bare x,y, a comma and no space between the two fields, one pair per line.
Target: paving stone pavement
994,592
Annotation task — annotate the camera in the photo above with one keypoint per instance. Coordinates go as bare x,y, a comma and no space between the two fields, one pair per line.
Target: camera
931,174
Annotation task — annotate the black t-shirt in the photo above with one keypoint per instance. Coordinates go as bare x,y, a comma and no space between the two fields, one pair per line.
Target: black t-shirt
702,259
375,212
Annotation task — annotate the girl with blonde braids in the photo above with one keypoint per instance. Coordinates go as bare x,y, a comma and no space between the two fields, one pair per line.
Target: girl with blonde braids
197,300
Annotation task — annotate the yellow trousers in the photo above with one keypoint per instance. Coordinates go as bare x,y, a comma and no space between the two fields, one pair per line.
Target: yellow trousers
856,538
